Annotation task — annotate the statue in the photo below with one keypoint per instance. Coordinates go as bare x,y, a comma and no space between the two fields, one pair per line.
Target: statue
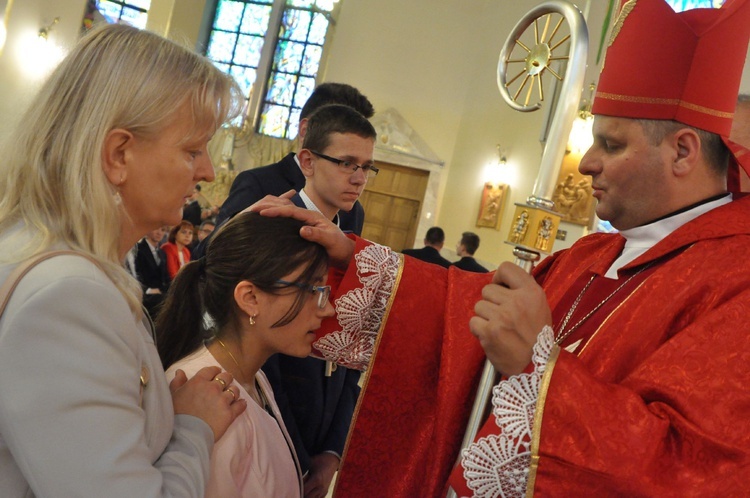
543,234
519,227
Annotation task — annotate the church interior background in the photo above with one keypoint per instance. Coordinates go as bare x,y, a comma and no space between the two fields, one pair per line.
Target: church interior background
453,153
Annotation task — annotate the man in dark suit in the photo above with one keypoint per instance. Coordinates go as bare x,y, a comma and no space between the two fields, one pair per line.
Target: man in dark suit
316,401
151,268
337,160
466,248
433,242
275,179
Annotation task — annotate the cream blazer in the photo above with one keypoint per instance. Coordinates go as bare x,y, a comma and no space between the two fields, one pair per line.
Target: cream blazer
74,419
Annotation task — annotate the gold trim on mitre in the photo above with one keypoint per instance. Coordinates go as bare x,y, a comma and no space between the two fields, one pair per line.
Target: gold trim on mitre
655,100
626,9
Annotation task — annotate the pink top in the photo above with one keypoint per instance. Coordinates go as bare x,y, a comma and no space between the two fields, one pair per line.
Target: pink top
255,457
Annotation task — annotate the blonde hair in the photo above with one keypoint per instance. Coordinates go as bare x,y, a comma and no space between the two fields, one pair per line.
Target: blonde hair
52,180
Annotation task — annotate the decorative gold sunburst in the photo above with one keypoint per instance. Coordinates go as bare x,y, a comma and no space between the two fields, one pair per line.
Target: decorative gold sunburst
536,60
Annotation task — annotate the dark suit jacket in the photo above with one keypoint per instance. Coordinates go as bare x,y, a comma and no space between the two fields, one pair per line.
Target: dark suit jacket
317,410
429,254
151,275
470,264
254,184
192,213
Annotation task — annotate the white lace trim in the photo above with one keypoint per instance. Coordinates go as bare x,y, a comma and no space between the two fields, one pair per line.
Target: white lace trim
360,311
498,465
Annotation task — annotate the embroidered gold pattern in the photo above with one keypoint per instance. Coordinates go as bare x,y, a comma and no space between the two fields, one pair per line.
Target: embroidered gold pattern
653,100
538,417
626,9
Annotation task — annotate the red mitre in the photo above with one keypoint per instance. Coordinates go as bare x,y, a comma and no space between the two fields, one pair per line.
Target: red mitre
684,66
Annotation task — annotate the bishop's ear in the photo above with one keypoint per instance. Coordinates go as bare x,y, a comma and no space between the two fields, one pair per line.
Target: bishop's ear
687,145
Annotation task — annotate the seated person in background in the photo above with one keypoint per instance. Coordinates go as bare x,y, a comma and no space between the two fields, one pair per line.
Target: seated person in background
177,248
317,399
466,248
151,268
204,230
433,242
263,286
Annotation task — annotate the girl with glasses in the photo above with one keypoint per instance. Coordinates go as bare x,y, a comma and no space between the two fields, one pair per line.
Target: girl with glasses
262,286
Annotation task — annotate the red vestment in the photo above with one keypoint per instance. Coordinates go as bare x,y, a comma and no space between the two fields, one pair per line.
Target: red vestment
653,402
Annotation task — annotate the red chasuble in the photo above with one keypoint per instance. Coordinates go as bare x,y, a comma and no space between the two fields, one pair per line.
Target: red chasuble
653,401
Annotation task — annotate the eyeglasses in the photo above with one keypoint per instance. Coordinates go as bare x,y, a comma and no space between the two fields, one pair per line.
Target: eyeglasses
323,291
369,169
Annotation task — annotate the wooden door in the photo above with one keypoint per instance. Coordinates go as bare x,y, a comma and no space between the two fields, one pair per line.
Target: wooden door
392,202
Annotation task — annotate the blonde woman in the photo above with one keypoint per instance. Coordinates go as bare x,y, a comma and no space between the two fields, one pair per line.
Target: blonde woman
109,150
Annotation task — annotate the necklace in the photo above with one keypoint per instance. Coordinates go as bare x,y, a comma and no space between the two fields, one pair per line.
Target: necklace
562,334
258,396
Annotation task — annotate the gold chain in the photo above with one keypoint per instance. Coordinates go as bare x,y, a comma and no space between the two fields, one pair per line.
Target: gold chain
261,399
562,334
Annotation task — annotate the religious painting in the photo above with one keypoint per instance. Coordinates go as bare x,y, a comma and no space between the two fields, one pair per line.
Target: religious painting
573,193
491,207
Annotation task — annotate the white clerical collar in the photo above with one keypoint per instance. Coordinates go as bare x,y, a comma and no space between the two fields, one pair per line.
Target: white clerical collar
309,204
640,239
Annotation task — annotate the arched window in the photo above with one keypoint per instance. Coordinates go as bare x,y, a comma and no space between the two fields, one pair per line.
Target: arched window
274,49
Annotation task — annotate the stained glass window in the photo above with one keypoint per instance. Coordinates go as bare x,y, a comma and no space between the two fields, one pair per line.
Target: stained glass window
683,5
132,12
286,78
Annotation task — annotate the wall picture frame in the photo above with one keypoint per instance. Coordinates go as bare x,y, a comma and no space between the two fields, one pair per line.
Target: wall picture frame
491,205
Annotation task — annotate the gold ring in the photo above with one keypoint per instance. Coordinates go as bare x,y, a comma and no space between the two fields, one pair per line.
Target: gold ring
221,381
234,394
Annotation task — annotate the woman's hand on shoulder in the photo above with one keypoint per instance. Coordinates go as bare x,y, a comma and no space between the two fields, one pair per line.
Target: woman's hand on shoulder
209,396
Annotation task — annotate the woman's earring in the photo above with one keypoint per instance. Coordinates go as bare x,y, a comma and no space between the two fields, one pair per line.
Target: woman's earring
118,199
252,319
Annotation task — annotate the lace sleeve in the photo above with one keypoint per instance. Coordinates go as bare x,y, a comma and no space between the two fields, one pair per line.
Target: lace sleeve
360,311
498,465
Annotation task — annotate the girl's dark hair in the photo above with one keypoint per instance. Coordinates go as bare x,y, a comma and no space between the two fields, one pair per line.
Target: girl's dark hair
249,247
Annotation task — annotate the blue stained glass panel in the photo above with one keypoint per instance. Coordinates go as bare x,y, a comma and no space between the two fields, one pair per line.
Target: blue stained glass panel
224,67
245,77
318,29
293,130
281,90
228,15
683,5
255,20
273,120
300,3
305,87
143,4
295,25
110,10
311,60
134,17
288,56
326,5
248,50
221,46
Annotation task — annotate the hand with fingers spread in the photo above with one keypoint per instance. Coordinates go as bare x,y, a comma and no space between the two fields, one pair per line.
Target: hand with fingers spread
512,312
320,230
209,396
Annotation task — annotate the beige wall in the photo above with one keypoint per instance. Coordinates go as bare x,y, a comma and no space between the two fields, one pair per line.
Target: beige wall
432,60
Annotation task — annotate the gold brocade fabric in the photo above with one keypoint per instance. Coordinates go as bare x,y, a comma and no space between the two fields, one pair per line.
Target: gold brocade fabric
655,401
420,385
